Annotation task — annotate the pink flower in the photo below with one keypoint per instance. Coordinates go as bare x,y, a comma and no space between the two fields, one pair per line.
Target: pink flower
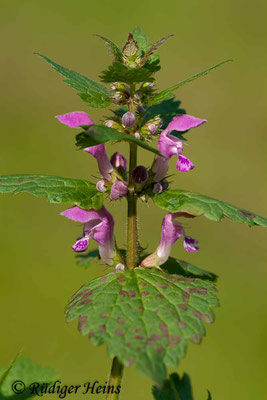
104,165
171,231
76,119
160,168
170,145
98,225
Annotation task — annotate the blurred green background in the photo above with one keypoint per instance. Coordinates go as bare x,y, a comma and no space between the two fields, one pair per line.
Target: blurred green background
38,273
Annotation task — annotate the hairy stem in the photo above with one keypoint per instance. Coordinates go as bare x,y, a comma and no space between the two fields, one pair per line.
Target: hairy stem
115,380
132,213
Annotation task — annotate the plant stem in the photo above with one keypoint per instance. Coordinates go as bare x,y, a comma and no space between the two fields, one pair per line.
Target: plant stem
132,213
115,379
132,241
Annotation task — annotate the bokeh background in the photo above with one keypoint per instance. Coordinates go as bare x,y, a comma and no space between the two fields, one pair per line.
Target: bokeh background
38,272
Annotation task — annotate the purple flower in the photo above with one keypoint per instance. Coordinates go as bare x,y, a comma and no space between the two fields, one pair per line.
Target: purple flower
183,122
98,225
119,161
75,119
190,244
160,168
171,231
119,189
170,145
104,165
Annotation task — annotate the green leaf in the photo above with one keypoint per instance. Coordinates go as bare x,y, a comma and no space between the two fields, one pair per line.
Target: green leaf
168,93
97,134
5,372
113,48
180,267
86,260
23,370
118,72
174,388
198,205
209,395
153,48
58,190
141,39
144,316
94,93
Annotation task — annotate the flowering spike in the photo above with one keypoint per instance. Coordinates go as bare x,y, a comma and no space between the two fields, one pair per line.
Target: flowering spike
119,189
75,119
98,225
104,165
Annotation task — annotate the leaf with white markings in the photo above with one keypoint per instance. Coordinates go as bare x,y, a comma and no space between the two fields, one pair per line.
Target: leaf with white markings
93,93
58,190
199,204
144,316
169,93
97,134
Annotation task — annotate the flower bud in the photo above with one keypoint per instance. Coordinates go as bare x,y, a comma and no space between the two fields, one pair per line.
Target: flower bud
152,126
113,124
148,85
101,186
157,188
140,174
119,86
128,119
165,184
118,190
118,161
137,135
120,267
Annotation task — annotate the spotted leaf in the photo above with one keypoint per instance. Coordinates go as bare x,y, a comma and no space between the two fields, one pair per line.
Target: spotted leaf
144,316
